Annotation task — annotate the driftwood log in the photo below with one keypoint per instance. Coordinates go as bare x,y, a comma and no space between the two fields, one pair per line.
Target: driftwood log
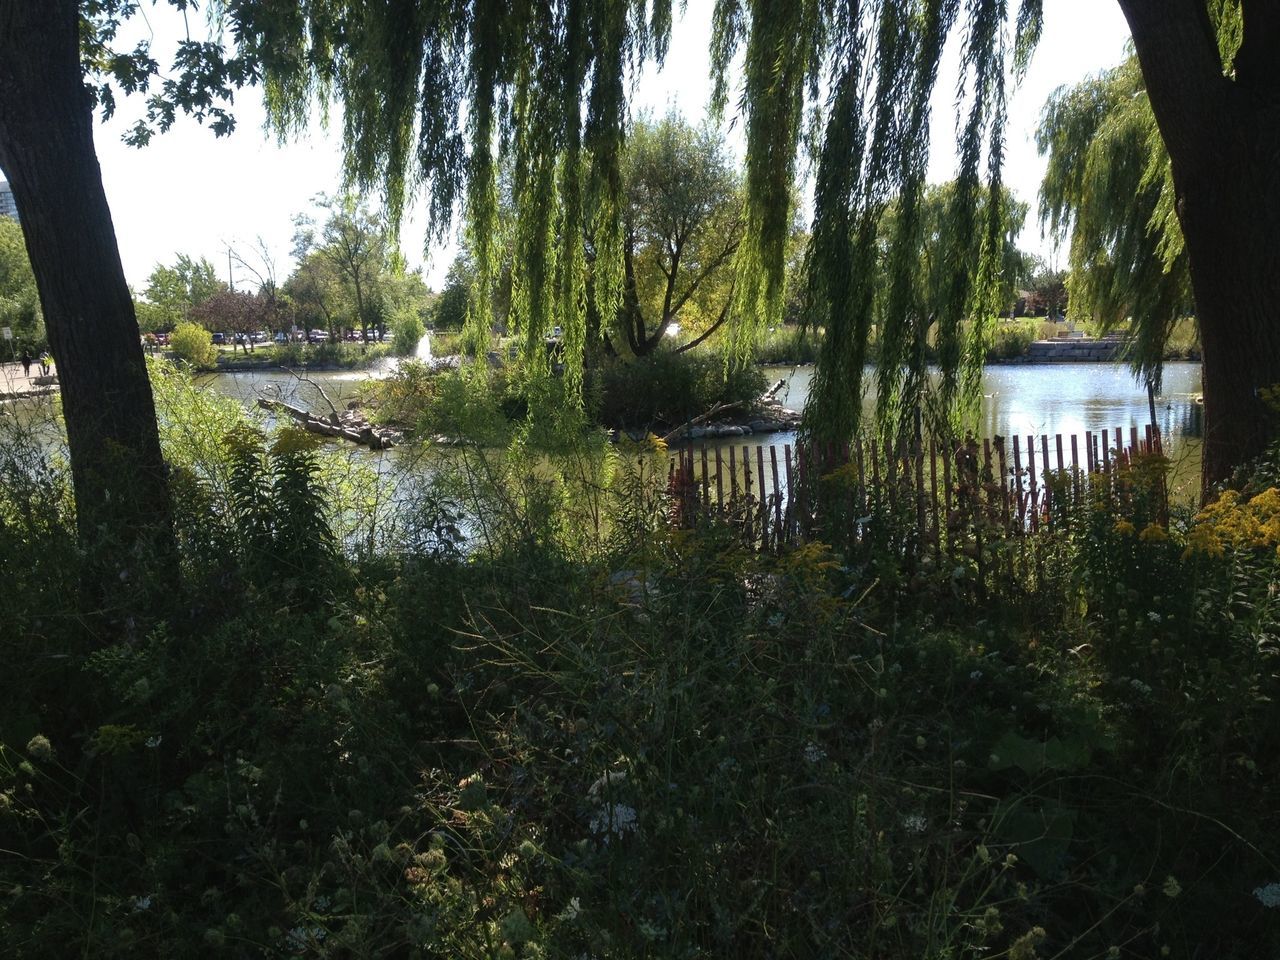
357,432
777,419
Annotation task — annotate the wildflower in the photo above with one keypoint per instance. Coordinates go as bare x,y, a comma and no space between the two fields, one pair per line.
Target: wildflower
914,823
613,819
1203,539
1123,528
153,742
814,753
975,675
1268,896
1024,948
40,748
1113,952
608,779
1171,887
141,903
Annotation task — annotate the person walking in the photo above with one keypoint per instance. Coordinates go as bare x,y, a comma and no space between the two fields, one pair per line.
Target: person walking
26,362
44,363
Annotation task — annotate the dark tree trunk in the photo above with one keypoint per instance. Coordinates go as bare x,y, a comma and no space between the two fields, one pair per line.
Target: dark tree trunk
1223,138
46,149
1232,228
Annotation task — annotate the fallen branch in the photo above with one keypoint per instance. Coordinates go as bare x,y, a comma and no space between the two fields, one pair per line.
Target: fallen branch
364,434
702,418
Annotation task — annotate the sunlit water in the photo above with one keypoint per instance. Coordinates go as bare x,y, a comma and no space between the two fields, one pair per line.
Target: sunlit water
1018,400
1064,398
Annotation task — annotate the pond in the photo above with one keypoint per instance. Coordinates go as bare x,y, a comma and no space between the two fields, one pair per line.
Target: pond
1066,398
1017,399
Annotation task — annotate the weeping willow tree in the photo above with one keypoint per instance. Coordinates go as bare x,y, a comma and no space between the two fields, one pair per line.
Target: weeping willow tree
910,319
440,95
866,72
1109,187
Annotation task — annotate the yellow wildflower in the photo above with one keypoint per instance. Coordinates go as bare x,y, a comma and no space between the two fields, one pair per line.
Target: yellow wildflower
1153,533
1123,528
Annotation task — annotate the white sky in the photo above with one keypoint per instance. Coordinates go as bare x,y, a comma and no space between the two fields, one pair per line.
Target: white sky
189,192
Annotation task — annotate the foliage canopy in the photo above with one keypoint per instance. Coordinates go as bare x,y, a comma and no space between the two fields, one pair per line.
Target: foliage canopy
442,95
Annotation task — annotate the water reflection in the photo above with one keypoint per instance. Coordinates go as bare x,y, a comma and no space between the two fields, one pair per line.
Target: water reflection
1067,398
1018,399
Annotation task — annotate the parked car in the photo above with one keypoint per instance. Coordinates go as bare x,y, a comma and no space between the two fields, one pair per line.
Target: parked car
319,335
280,337
219,338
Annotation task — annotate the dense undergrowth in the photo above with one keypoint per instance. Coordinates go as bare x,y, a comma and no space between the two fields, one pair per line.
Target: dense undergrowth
514,713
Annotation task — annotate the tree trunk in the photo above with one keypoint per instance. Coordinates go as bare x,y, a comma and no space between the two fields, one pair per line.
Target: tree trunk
1223,138
1231,220
46,149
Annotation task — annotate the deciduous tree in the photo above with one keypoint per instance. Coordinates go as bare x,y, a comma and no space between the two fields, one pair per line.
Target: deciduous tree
681,227
355,245
46,150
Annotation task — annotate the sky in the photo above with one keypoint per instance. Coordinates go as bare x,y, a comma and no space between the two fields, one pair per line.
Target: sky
189,192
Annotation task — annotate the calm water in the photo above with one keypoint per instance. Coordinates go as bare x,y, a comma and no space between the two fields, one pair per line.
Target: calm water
1067,398
1020,400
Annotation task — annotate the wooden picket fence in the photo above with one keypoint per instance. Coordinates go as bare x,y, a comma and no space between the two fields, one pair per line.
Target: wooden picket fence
930,496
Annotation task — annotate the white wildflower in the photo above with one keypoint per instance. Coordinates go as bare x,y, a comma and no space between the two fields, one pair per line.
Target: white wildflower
914,823
141,903
976,675
299,938
607,780
153,742
1268,896
613,819
814,753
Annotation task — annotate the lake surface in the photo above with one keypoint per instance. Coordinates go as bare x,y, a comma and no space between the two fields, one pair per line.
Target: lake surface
1067,398
1018,399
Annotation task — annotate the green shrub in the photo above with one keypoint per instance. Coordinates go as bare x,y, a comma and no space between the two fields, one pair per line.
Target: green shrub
194,344
408,329
667,388
1011,339
789,344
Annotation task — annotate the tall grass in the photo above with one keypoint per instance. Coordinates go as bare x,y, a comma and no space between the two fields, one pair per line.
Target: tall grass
532,719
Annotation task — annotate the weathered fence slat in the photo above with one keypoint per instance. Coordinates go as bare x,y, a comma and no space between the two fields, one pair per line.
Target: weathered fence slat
777,494
764,498
933,494
1017,480
789,514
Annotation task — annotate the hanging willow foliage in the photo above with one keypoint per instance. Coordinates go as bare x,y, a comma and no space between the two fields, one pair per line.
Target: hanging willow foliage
869,68
1109,186
440,95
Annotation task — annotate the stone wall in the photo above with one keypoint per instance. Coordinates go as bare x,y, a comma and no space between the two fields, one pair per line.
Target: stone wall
1074,351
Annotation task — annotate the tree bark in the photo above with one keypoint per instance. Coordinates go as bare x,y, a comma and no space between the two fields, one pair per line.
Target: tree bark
123,510
1223,138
